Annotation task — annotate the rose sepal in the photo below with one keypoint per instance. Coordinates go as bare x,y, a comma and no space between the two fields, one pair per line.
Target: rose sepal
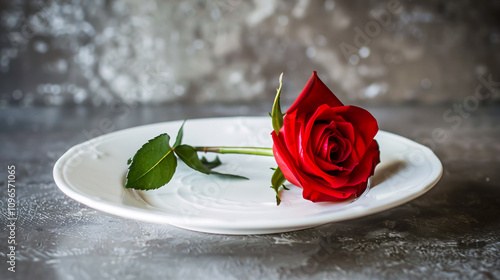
277,115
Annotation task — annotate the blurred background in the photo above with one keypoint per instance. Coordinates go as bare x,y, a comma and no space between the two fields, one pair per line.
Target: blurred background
59,53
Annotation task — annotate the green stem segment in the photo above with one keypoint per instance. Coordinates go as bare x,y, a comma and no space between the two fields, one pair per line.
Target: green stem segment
259,151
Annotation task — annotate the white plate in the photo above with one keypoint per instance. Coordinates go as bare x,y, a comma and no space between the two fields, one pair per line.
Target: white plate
93,173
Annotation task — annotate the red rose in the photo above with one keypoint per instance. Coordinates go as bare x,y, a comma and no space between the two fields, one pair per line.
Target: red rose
324,147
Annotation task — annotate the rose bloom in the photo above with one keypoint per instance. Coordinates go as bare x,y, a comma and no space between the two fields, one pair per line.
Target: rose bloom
324,147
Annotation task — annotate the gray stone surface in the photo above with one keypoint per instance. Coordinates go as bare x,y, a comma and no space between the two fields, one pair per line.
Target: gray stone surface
451,232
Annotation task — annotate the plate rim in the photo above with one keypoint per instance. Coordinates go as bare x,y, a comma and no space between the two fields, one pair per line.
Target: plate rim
147,215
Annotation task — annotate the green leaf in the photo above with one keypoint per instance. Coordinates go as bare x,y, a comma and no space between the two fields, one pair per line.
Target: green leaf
129,161
277,115
277,181
189,156
210,164
178,139
153,165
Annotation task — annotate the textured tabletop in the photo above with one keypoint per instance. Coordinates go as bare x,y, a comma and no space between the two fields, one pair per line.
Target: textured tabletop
453,231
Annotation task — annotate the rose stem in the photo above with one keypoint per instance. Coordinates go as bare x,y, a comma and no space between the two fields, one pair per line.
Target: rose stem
237,150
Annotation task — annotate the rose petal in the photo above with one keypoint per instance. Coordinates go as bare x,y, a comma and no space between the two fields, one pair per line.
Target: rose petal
326,165
316,192
284,160
367,165
361,120
314,94
307,126
346,130
309,166
289,131
319,139
326,147
344,148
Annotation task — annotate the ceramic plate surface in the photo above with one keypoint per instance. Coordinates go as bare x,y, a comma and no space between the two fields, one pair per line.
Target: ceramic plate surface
93,173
